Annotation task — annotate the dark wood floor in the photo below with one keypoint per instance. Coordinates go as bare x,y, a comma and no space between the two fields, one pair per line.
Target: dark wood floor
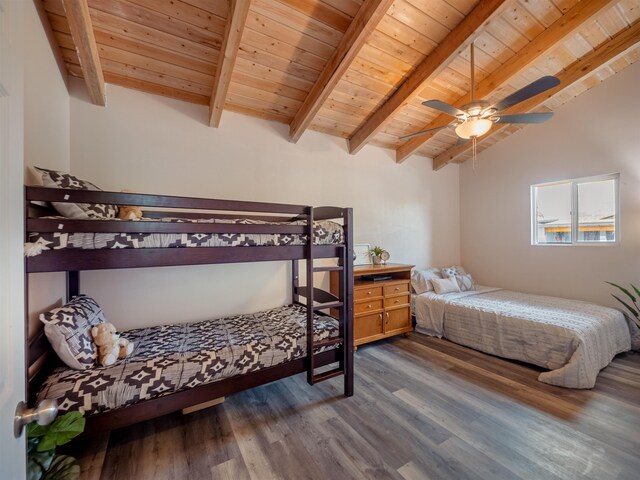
424,408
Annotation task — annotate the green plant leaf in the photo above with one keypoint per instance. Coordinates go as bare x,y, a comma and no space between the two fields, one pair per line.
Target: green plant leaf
62,430
633,311
636,290
627,292
38,463
34,430
32,444
63,467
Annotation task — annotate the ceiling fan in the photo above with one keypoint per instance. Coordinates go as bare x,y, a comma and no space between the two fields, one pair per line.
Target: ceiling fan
476,118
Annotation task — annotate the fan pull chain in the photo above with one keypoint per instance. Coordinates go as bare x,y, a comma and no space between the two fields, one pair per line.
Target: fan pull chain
473,143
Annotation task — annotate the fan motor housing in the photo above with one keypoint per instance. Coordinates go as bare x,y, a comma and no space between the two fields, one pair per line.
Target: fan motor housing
475,108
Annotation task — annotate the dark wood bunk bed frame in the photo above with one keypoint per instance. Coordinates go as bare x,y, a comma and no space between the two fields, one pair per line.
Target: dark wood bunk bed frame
41,359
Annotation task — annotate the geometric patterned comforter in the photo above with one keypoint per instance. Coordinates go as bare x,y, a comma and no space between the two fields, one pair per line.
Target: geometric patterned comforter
574,340
170,358
325,232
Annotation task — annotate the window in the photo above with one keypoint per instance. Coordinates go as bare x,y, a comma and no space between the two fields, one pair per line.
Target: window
594,201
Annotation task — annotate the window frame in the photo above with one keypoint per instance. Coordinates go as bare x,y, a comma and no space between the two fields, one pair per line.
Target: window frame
574,182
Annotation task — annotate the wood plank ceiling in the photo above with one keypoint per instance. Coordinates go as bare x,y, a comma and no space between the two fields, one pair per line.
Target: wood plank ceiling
357,69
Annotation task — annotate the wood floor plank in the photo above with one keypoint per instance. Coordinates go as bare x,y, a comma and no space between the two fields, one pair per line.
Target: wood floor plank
423,408
232,469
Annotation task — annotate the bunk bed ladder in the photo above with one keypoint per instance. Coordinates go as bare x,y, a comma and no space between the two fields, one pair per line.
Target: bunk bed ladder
325,301
310,298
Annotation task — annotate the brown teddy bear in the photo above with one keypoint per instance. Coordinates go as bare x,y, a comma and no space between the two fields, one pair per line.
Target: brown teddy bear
129,212
111,346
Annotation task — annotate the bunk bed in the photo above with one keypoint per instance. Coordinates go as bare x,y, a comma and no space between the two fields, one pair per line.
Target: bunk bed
196,231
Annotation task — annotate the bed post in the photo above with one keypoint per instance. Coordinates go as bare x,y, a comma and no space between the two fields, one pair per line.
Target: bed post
295,281
309,260
73,284
347,311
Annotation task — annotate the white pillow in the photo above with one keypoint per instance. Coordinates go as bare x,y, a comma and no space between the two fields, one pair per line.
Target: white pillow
451,271
465,282
445,285
421,279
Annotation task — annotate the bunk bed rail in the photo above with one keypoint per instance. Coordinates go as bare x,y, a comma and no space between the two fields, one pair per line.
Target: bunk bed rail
46,194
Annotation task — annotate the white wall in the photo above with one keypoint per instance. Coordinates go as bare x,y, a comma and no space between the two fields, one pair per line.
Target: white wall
46,136
596,133
156,145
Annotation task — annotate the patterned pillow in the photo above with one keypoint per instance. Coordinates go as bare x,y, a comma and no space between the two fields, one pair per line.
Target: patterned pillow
68,329
452,271
465,282
53,179
421,279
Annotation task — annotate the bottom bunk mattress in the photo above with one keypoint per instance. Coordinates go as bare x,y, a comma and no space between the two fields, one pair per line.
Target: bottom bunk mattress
573,339
170,358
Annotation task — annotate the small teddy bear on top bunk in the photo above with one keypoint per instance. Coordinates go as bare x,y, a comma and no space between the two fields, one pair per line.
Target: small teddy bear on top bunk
129,212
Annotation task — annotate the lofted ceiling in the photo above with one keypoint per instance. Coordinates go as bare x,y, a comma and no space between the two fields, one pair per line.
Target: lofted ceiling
357,69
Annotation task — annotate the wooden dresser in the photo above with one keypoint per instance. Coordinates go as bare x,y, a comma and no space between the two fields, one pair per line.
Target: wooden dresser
381,309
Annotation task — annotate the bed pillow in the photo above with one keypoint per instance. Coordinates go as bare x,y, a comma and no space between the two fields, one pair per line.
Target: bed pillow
452,271
421,279
445,285
54,179
465,282
68,329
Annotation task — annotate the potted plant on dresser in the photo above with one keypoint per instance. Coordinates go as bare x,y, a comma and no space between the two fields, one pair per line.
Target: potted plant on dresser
379,255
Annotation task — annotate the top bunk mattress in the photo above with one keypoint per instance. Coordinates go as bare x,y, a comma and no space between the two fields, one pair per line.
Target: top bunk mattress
325,232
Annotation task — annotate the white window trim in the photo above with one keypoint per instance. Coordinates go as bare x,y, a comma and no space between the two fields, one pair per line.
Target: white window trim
574,208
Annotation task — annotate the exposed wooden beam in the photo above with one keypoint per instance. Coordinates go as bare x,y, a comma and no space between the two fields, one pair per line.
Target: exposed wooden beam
77,12
457,40
236,20
605,53
55,48
362,25
563,27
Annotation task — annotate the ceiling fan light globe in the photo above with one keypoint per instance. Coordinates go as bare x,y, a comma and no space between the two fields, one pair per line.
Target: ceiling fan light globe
475,127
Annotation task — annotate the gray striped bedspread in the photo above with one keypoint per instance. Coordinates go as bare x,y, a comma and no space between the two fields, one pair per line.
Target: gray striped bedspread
574,340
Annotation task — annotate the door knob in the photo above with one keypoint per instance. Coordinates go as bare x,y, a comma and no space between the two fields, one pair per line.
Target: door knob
43,414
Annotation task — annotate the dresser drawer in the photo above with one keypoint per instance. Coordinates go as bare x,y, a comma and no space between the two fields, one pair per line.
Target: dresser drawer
396,301
367,307
396,289
367,292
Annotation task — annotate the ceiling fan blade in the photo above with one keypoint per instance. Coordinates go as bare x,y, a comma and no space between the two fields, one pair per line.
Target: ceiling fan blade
417,134
444,107
461,141
525,118
534,88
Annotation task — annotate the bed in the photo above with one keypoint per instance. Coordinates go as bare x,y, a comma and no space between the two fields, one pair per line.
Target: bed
229,355
171,358
574,340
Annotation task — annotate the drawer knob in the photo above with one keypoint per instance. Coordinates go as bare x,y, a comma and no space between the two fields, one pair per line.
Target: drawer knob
397,288
369,306
369,292
397,301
